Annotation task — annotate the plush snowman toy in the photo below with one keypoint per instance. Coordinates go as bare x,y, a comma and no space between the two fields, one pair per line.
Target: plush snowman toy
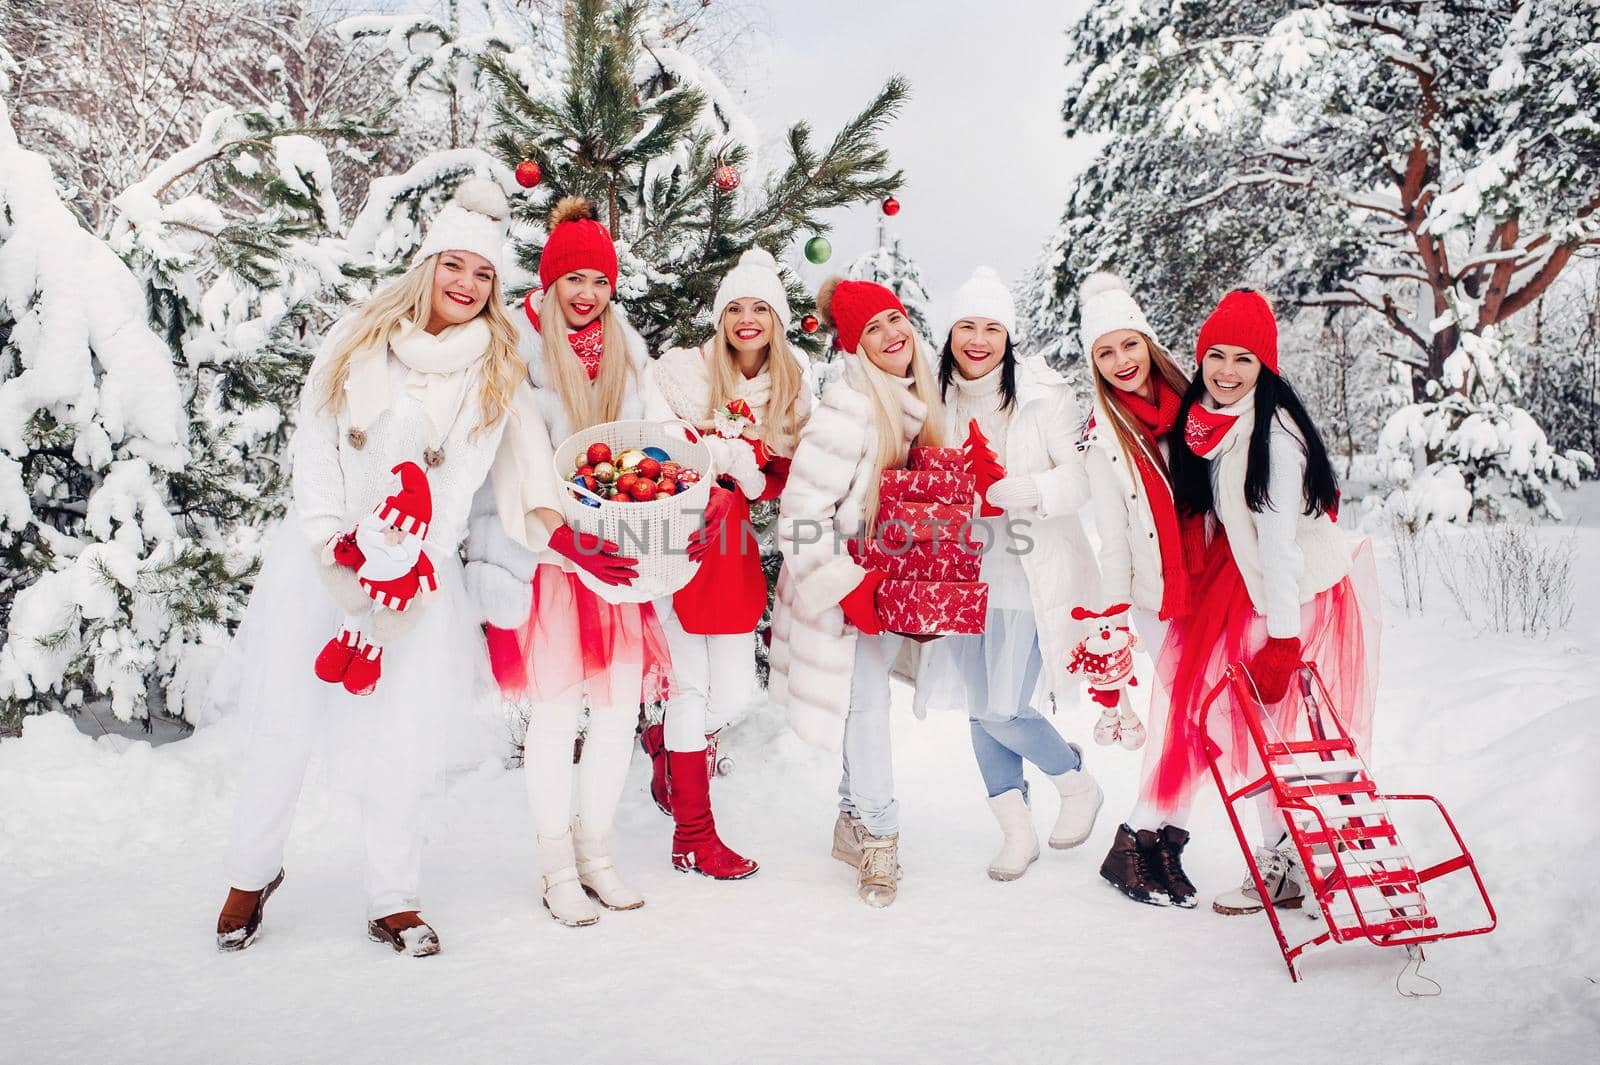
1105,658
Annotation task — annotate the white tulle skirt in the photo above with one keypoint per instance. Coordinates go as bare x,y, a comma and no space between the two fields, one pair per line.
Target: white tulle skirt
435,707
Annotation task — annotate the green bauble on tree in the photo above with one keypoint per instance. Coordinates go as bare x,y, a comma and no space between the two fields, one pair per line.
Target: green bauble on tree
818,250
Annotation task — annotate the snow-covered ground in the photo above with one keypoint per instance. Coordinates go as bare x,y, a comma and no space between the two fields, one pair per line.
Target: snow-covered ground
110,879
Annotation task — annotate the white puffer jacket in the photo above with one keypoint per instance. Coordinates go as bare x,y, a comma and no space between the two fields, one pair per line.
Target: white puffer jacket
813,647
1061,570
1130,553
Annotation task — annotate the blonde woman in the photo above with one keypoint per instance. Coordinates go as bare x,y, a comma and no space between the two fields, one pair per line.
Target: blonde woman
559,646
425,373
710,623
830,655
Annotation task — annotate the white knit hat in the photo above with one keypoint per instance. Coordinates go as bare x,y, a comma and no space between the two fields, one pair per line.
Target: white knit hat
755,277
1104,306
474,220
983,295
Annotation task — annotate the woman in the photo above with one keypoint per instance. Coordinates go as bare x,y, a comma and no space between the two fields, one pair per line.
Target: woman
570,648
424,373
1036,562
710,623
830,657
1282,584
1145,554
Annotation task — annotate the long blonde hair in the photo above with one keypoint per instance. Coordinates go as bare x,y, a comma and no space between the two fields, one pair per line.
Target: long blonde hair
888,419
781,427
588,403
409,298
1132,435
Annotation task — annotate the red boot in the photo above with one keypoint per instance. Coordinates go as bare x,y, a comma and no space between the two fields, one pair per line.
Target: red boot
333,661
653,740
695,845
362,676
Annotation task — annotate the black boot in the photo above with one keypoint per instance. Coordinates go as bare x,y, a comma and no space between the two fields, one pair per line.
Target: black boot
1132,866
1170,840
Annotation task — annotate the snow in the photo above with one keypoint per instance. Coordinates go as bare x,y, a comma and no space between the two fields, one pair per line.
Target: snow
110,855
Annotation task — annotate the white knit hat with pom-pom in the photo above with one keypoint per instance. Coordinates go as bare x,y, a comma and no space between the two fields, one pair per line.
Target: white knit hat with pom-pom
755,277
983,295
474,220
1104,306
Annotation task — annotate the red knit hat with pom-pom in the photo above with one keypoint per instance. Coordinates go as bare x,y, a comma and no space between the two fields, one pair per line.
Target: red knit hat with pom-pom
576,242
1243,318
849,305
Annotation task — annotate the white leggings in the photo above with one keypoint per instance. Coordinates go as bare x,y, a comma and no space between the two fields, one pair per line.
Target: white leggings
706,671
603,770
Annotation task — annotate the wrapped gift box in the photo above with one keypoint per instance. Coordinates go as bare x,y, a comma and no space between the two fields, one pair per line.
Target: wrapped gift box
949,487
952,459
903,522
933,608
921,560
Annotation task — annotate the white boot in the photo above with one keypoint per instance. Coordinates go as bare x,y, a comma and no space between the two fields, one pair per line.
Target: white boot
1080,803
563,895
596,873
1020,847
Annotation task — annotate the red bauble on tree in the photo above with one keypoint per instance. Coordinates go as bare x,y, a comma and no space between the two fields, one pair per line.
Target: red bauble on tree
891,206
726,177
984,465
528,173
809,323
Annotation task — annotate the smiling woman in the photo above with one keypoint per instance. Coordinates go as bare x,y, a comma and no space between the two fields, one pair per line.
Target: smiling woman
463,281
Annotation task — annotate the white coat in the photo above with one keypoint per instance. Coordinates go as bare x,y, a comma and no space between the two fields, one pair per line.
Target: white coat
1130,552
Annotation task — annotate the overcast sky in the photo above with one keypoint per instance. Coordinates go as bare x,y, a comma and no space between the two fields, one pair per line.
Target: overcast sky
985,161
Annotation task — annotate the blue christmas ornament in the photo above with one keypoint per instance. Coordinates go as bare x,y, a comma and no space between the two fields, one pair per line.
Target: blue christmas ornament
659,454
591,484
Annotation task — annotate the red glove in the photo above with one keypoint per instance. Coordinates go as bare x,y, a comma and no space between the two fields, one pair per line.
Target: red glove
599,557
861,606
1106,697
1273,665
711,532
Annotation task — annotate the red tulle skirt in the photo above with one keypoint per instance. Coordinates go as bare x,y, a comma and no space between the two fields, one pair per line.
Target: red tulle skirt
575,644
1339,631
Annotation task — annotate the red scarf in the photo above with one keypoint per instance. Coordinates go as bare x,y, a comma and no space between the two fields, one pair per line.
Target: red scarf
587,343
1158,418
1206,428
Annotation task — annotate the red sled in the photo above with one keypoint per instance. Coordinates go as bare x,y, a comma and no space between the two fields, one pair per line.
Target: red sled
1363,878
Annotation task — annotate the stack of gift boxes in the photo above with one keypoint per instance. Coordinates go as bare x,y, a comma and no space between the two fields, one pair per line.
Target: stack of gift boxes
923,541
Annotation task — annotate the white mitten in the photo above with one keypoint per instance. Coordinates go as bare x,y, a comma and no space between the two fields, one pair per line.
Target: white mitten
385,627
1019,491
737,459
502,598
346,590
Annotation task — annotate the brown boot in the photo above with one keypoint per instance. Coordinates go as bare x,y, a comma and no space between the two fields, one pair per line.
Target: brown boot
240,919
1170,841
1131,866
406,932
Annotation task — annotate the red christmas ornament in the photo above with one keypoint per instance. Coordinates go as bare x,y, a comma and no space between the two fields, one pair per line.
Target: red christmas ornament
809,323
726,177
891,207
528,173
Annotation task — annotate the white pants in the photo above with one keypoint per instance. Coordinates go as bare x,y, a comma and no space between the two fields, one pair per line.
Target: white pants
866,786
706,670
603,770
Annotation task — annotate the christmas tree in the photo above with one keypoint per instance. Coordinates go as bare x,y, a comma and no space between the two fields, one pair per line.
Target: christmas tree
656,140
890,266
984,464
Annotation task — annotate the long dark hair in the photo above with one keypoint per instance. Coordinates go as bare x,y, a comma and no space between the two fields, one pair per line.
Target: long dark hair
1008,372
1191,475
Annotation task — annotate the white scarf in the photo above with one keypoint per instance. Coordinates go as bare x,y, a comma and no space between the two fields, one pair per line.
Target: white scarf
686,384
437,378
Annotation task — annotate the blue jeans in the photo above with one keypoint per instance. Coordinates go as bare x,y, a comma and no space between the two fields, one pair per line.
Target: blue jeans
1002,745
866,786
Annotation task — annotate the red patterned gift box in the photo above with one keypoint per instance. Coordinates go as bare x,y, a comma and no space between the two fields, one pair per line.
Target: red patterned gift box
952,459
933,608
921,560
927,486
904,522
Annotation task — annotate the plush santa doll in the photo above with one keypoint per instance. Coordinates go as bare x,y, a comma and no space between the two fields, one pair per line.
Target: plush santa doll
1105,658
387,552
737,421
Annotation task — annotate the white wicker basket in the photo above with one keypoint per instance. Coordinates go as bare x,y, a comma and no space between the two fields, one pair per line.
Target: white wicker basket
657,532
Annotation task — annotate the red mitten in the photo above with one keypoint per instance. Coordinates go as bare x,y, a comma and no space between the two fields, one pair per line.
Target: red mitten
1273,665
861,606
984,465
710,532
599,557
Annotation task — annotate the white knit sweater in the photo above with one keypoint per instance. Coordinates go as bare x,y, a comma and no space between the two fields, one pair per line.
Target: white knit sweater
979,399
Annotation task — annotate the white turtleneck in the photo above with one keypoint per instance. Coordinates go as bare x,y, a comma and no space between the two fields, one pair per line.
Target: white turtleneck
979,399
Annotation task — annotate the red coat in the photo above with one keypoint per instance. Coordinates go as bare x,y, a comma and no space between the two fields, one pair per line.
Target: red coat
729,594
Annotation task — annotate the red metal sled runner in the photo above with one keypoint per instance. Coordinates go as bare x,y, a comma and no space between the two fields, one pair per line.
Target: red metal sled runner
1363,879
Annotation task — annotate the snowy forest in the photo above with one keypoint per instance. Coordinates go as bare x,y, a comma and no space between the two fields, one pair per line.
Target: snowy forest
192,193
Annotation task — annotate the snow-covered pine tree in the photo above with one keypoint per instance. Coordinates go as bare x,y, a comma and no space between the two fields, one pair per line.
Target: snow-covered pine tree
639,126
890,266
1427,162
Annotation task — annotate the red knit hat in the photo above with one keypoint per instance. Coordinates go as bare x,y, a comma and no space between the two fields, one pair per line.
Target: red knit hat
410,509
849,305
576,242
1243,318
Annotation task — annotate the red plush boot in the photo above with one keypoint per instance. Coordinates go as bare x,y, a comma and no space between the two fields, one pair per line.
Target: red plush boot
695,845
653,740
333,661
362,676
